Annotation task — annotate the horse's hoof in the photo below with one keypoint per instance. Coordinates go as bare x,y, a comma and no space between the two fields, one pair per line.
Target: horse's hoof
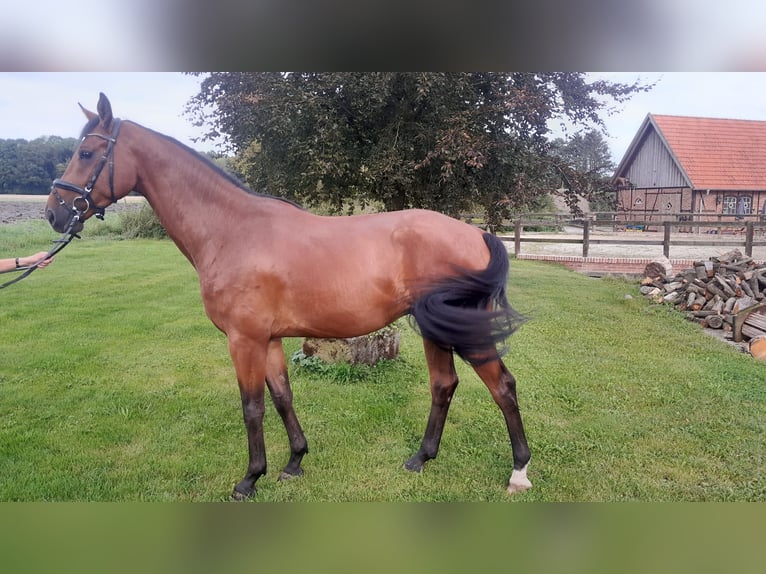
237,496
516,487
285,475
413,465
519,481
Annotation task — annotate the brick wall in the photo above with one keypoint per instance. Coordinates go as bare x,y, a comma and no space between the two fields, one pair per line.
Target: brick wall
603,265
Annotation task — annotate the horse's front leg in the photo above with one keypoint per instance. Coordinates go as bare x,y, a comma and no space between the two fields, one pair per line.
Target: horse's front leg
282,397
249,358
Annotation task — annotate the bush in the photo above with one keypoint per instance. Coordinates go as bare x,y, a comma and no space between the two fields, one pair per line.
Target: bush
141,224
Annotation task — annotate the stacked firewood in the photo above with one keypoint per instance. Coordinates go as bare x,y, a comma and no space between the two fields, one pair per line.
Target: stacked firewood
726,292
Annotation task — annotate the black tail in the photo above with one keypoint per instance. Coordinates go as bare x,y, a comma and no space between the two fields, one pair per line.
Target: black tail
469,313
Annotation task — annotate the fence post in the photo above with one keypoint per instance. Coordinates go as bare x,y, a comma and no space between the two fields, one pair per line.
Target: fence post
749,238
585,237
517,238
666,239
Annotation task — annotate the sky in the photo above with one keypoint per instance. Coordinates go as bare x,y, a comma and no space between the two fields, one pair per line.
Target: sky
34,104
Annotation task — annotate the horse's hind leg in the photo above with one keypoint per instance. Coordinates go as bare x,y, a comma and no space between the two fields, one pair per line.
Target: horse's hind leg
441,368
502,385
282,397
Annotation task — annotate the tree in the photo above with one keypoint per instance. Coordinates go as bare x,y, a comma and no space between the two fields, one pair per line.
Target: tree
444,141
583,165
29,167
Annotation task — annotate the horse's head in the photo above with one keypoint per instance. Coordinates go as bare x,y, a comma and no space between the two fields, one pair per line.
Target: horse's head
95,177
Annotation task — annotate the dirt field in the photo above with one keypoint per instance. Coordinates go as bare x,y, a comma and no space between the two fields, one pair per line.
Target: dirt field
16,208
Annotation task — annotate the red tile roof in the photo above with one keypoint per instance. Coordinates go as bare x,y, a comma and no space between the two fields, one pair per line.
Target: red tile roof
717,153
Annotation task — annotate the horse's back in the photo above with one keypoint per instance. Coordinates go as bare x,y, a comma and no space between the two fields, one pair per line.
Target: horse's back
346,276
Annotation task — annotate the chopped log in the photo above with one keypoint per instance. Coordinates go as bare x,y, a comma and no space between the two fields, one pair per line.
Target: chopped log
712,303
717,305
673,297
738,267
729,256
724,284
757,348
753,282
654,270
746,289
673,286
714,321
701,314
742,303
714,289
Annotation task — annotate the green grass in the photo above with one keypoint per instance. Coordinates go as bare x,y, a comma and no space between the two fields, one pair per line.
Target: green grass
114,386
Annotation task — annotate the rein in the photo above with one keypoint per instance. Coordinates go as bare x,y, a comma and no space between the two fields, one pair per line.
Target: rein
80,204
58,245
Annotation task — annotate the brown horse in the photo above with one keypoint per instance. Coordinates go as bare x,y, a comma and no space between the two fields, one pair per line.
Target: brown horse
269,269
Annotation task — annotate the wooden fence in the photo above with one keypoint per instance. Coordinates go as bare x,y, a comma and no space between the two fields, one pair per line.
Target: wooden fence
744,236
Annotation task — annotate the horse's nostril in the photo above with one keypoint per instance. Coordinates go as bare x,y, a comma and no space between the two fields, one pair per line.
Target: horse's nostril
50,216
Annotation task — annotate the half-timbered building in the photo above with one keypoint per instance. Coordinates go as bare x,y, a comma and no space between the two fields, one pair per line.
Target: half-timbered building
691,168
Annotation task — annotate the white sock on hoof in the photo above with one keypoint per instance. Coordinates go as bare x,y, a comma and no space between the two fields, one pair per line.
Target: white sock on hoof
519,481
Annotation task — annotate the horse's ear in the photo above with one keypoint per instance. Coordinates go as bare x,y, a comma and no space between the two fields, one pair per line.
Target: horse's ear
104,111
88,114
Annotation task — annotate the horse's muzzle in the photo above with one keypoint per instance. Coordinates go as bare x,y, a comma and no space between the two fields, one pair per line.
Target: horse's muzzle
60,218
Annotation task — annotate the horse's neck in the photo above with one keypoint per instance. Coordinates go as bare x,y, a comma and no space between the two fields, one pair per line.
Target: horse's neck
194,203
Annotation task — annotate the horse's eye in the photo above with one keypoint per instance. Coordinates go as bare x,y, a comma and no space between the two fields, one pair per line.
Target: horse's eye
85,154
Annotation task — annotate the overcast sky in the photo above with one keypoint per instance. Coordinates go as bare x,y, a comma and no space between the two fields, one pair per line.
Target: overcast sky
41,103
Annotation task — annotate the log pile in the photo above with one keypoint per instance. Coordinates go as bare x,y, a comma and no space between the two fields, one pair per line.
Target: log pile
727,292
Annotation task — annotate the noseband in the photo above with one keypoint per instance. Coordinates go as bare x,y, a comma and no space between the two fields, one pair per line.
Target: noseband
84,202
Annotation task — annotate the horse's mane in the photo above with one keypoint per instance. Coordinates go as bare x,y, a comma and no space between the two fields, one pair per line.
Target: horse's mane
220,171
90,126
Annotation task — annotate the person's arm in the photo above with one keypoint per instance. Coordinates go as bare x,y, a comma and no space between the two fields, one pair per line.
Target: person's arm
14,263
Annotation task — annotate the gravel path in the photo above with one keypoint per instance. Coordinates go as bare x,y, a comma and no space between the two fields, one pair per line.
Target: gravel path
707,245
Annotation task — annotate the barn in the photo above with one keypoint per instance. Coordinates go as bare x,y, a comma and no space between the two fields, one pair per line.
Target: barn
682,168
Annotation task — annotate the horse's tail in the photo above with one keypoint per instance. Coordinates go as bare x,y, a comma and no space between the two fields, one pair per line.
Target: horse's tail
469,312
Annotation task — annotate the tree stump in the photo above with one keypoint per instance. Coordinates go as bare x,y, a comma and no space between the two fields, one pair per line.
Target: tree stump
364,350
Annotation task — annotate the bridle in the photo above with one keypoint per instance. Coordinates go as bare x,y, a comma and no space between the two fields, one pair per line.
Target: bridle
80,204
84,202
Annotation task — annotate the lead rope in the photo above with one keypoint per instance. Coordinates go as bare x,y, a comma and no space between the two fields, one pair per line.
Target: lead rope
58,245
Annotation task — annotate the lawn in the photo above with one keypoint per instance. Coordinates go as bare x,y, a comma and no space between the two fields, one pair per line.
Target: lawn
114,386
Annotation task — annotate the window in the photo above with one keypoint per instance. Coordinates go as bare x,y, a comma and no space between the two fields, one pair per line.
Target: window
737,205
